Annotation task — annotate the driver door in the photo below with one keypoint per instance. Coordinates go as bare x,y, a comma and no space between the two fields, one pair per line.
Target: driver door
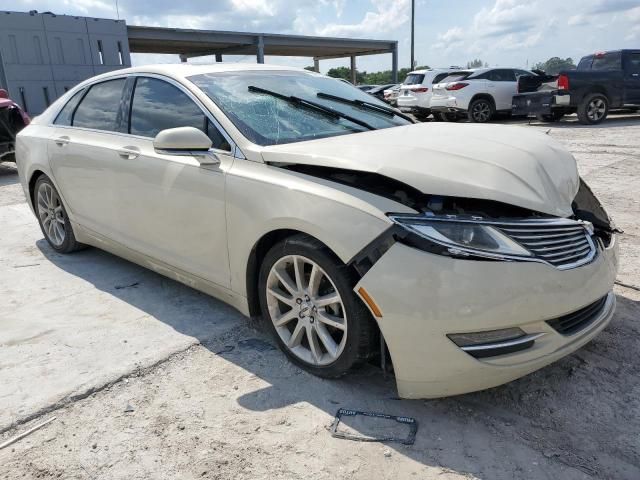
171,207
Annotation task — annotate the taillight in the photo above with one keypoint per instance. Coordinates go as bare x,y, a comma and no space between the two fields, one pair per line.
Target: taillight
421,90
456,86
563,82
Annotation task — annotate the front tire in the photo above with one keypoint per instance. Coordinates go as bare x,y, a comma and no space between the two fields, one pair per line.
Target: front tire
308,304
593,109
481,110
52,217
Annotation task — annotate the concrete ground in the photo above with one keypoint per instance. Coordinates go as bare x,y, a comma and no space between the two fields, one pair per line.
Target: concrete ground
150,379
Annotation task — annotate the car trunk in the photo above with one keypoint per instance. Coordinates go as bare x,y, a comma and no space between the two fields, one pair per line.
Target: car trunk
537,83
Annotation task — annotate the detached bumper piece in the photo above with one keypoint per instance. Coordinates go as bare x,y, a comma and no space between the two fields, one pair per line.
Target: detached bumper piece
494,342
574,322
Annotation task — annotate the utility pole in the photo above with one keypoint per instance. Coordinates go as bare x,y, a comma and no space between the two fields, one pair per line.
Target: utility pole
413,25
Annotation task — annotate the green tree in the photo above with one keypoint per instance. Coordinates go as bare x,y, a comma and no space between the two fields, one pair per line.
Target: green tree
311,68
476,63
555,65
373,78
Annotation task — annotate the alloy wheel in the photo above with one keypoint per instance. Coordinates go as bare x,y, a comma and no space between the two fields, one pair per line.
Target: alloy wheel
596,109
51,214
307,310
481,112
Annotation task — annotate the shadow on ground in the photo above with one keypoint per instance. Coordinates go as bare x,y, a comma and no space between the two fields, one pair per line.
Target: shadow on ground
8,174
582,412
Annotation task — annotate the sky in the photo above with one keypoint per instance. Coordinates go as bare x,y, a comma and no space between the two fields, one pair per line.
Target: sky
515,33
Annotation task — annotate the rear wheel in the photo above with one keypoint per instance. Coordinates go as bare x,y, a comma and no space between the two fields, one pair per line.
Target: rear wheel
53,218
593,109
308,303
481,110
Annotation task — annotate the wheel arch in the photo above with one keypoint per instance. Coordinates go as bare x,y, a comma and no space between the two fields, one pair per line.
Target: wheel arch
256,256
597,89
35,175
485,96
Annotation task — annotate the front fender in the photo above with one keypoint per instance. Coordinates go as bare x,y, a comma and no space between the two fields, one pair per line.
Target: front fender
262,198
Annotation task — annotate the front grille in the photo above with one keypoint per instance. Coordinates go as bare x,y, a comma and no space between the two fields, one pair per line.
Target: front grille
563,245
576,321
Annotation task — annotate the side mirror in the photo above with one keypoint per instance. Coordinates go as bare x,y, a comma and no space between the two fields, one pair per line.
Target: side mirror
185,141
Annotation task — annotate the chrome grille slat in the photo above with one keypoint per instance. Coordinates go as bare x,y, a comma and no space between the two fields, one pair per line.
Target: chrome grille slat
542,229
559,254
553,242
542,251
565,244
535,237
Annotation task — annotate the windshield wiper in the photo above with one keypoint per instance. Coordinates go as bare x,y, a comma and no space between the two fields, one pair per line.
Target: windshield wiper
367,105
311,105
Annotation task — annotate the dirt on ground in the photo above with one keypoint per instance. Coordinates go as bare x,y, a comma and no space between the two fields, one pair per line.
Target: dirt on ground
229,404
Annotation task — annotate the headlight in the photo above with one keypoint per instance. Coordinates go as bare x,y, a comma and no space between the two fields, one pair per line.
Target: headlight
463,237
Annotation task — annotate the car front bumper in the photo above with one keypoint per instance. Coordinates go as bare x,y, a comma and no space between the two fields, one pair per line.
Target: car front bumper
423,297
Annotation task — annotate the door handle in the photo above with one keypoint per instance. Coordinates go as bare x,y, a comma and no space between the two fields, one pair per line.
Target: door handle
62,141
129,153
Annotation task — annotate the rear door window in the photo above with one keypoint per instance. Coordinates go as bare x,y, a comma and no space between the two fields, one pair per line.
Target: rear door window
501,75
157,105
65,117
607,61
633,63
585,63
100,107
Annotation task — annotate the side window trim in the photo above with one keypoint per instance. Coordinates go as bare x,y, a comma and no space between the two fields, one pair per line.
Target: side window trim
82,92
235,150
85,90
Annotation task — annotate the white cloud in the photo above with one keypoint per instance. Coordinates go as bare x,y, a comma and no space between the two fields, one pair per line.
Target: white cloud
578,20
388,16
506,16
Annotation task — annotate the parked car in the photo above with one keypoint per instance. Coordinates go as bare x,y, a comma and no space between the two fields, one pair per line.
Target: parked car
415,93
476,253
602,82
391,95
12,120
378,91
366,88
476,94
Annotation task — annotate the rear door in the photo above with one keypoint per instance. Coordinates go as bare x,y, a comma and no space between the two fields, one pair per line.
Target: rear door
171,207
632,78
82,152
502,85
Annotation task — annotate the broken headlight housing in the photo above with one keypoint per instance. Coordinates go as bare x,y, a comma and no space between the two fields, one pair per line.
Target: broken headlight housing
464,238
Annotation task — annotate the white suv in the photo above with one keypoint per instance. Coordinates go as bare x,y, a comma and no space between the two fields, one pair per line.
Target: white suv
415,93
478,94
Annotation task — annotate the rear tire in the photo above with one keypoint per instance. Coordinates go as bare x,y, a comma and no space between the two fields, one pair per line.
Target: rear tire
52,217
593,109
295,311
481,110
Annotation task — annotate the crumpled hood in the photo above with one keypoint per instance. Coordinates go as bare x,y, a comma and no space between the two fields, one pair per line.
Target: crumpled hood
510,164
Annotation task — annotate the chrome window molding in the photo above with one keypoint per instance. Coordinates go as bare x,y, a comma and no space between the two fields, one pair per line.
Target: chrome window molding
235,150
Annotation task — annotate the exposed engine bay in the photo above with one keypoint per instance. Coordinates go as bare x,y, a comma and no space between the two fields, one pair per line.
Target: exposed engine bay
585,206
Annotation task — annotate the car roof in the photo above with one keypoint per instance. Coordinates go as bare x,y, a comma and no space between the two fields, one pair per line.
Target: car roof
434,70
185,70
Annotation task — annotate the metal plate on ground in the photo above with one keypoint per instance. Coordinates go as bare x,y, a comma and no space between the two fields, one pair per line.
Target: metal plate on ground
374,427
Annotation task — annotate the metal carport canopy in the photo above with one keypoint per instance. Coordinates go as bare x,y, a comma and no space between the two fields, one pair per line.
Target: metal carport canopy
193,43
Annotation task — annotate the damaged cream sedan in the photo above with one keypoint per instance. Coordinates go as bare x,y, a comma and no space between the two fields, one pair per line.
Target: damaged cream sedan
463,256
